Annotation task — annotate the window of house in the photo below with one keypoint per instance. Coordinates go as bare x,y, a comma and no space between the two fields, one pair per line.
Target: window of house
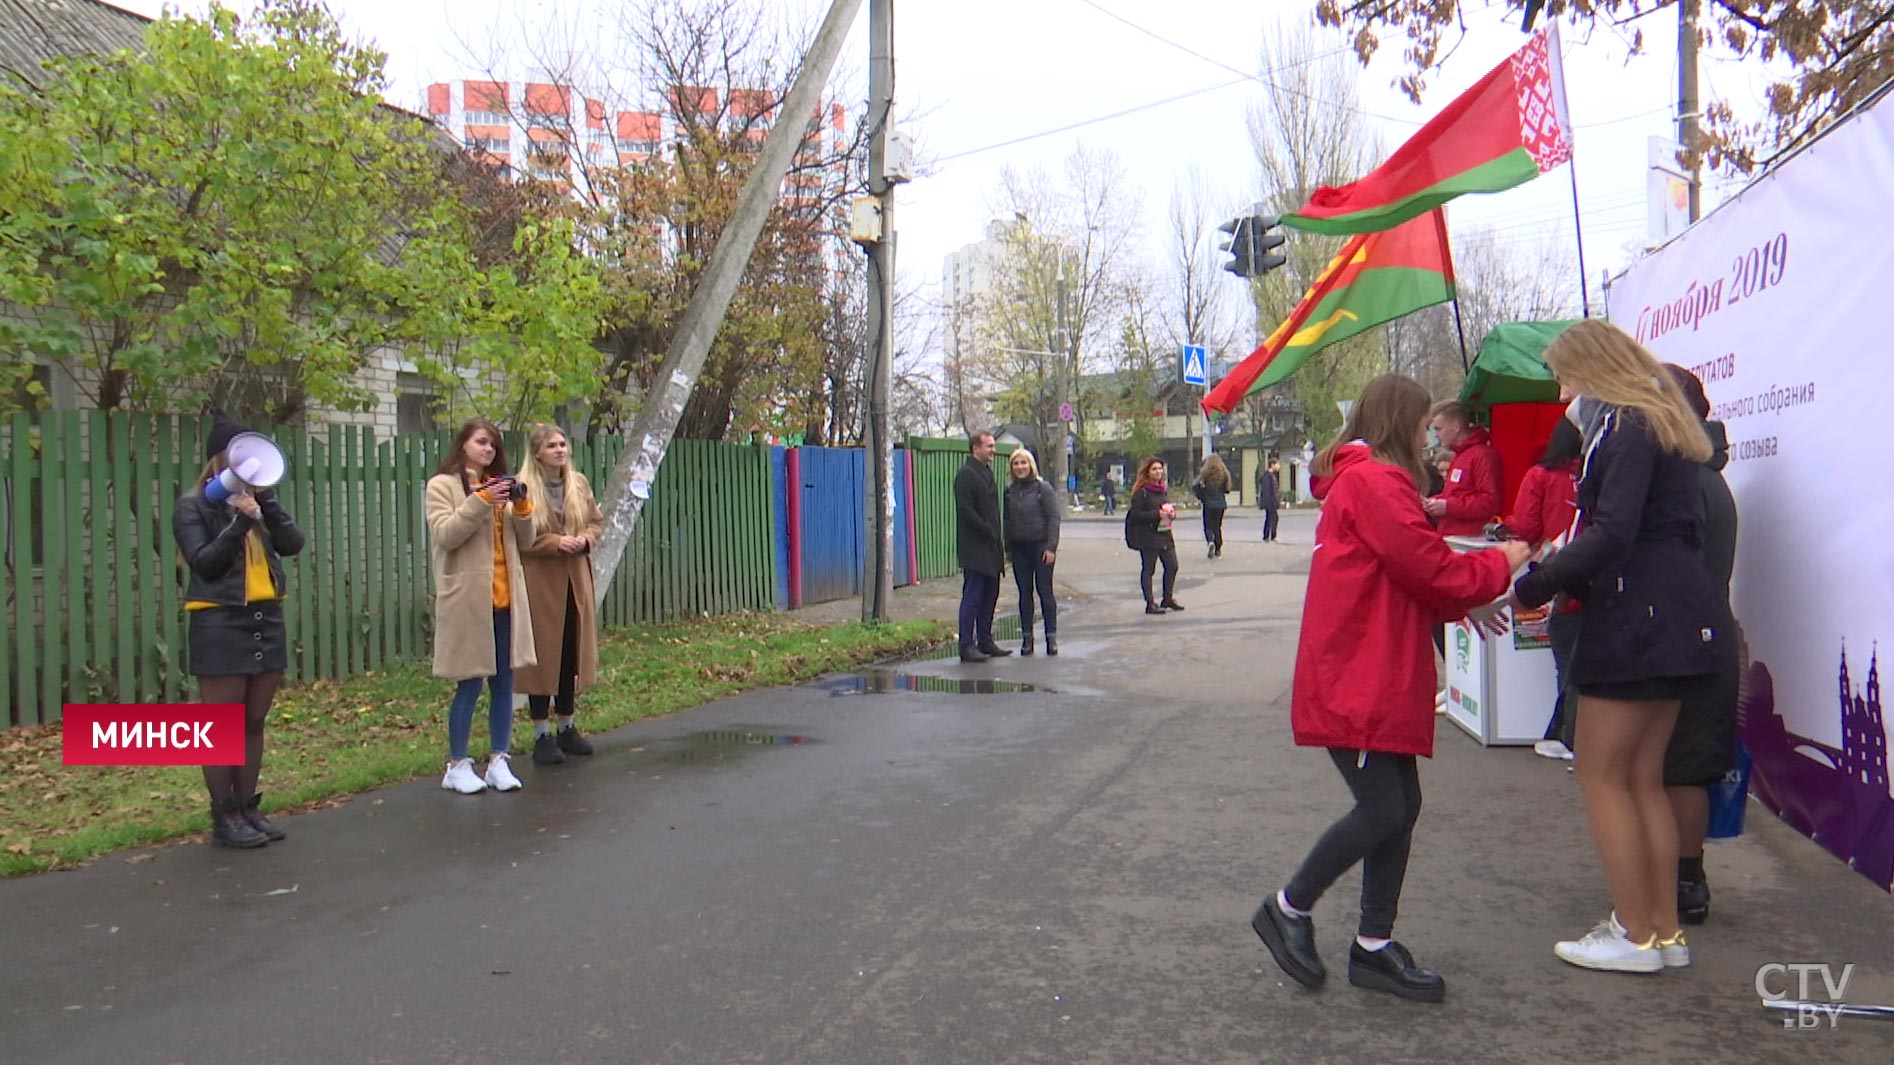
496,145
489,118
418,405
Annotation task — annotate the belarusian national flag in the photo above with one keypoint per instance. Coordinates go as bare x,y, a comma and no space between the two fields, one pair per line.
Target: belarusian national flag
1375,278
1504,131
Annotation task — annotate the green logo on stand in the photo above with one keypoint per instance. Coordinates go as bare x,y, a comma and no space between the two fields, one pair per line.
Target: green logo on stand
1463,647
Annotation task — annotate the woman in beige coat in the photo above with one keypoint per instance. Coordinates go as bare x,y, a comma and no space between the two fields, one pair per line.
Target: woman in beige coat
558,565
483,629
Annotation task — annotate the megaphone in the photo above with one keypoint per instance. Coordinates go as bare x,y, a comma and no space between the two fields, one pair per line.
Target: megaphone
252,460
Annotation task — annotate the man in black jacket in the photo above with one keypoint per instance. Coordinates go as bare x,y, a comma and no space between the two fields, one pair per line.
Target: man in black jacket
981,550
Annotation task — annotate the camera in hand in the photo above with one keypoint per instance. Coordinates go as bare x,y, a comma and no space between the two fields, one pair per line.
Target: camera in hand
517,490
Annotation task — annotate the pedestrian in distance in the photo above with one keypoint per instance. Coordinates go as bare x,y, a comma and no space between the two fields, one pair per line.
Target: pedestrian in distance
1032,539
1269,497
981,550
237,640
1148,522
1544,513
1702,748
1364,678
557,561
1212,488
1648,636
1108,489
477,516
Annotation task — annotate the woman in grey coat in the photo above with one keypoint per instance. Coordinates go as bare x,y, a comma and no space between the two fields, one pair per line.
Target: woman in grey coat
1032,538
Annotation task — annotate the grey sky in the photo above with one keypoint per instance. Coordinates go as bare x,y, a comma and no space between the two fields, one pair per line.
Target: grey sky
979,72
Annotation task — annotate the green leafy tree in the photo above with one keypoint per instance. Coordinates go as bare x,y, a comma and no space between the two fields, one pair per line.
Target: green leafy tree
233,215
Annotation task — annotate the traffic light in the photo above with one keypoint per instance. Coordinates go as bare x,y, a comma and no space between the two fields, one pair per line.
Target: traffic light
1252,243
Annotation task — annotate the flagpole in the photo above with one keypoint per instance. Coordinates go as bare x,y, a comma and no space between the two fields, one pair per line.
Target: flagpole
1578,228
1460,328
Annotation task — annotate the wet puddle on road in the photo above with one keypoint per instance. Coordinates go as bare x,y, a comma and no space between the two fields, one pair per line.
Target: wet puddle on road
724,744
886,681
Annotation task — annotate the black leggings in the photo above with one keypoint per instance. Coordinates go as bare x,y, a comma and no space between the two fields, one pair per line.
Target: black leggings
1376,833
1165,552
256,692
539,706
1213,526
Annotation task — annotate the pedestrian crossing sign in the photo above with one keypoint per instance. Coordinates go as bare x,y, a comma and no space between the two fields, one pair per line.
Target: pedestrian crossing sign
1195,361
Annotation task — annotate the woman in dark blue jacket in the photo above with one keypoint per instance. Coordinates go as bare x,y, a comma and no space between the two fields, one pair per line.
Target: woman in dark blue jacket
1032,539
1648,636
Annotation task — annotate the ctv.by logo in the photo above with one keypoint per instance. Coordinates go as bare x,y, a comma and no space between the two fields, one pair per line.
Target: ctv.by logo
1772,983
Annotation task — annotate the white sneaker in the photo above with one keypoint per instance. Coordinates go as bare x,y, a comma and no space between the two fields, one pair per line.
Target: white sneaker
1440,701
1552,749
460,777
499,775
1608,948
1674,951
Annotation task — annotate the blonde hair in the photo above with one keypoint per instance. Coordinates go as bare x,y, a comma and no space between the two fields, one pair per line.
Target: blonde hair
1214,475
579,504
1031,463
1602,361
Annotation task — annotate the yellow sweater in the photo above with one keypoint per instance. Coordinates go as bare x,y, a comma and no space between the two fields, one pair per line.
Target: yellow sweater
502,582
258,585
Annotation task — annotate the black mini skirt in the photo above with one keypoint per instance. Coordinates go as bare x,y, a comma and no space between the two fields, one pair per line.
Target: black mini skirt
229,641
1650,689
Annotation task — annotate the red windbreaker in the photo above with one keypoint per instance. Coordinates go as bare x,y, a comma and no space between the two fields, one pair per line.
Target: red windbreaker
1474,487
1546,504
1380,580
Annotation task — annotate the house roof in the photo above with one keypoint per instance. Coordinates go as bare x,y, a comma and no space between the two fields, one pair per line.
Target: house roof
33,32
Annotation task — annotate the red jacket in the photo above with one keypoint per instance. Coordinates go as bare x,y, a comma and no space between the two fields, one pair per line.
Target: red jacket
1473,491
1380,580
1547,501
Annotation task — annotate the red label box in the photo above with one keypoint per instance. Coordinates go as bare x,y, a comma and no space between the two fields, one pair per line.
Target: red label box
152,733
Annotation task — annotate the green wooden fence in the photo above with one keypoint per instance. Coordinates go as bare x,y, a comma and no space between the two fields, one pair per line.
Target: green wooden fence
93,583
936,461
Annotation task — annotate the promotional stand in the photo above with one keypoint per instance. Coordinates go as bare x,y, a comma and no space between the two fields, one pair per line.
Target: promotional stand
1500,689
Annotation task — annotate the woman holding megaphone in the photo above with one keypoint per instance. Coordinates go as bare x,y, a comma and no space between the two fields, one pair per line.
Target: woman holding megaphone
234,534
477,516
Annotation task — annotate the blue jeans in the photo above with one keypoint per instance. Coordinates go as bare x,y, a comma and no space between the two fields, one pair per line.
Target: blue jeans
979,597
1033,575
460,713
1562,629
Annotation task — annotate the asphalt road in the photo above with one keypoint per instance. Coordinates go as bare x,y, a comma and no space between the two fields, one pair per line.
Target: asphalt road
841,875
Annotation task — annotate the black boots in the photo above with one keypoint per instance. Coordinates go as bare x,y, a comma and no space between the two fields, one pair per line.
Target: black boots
253,814
1693,900
230,828
1025,646
1152,608
1170,604
546,750
1392,969
571,742
994,650
1052,646
1291,940
970,654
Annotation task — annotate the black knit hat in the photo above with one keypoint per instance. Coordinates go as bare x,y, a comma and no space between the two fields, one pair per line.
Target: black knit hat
223,429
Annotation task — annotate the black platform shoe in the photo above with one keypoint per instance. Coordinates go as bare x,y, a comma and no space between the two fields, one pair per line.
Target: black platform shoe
1052,646
1025,646
1392,969
1291,941
229,828
994,650
571,742
970,654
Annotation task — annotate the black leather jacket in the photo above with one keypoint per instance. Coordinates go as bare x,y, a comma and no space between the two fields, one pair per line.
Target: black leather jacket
210,536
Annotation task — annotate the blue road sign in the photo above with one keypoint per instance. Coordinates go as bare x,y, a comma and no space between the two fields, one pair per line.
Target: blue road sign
1196,363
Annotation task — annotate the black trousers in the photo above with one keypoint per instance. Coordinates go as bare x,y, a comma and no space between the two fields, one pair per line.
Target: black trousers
1271,518
1213,527
537,705
1033,575
1165,552
979,597
1377,833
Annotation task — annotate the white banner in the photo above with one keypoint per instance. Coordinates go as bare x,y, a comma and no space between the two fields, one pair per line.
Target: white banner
1783,303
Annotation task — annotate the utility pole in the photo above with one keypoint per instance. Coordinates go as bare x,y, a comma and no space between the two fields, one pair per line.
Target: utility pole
1687,105
650,435
878,486
1061,389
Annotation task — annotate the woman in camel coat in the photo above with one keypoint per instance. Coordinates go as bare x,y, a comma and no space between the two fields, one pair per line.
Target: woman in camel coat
476,516
558,565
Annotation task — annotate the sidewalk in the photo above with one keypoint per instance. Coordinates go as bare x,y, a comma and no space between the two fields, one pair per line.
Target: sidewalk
1028,860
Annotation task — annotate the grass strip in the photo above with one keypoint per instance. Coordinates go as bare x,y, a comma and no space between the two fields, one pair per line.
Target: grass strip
332,739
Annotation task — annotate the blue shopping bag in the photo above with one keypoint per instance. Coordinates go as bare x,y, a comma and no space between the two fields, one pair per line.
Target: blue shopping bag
1729,798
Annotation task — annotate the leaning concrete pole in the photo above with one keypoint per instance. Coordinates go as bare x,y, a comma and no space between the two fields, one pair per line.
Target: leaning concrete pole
630,484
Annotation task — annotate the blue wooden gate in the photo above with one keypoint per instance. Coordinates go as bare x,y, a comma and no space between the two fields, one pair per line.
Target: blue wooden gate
903,561
832,540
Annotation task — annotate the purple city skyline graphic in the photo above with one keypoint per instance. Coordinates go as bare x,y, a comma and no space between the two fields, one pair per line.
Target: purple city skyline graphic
1837,796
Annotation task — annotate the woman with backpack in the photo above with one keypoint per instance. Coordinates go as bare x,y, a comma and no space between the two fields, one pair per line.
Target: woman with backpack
1148,523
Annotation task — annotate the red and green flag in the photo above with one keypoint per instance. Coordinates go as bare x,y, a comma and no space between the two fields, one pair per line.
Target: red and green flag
1375,278
1506,130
